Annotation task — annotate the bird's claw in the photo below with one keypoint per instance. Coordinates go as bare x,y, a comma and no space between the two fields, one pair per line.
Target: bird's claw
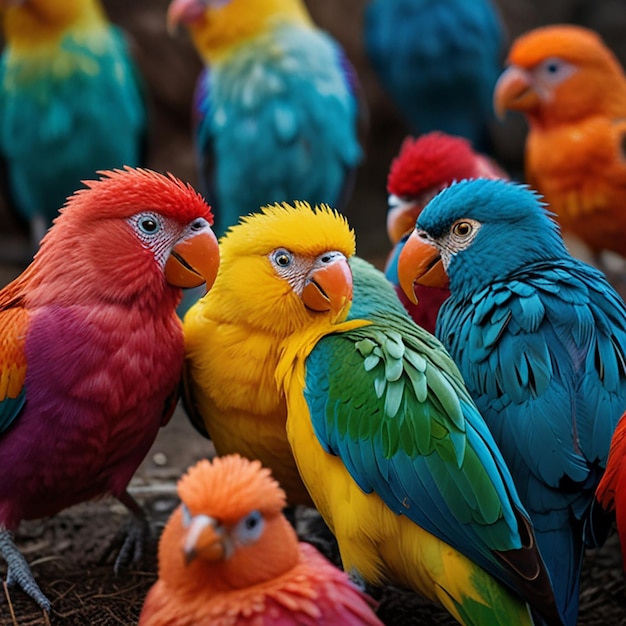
130,543
19,573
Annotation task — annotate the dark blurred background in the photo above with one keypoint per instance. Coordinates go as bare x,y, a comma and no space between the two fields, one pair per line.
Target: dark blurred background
170,67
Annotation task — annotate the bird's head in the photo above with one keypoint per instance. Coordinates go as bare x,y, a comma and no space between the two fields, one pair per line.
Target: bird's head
475,232
424,166
229,531
131,236
216,26
560,73
284,268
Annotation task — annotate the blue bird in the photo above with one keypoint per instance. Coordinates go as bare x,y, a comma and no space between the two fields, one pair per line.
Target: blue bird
540,339
438,60
276,110
71,103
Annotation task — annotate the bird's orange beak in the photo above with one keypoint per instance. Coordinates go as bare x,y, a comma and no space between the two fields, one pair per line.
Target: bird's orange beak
401,220
183,11
329,288
204,540
514,90
419,262
194,261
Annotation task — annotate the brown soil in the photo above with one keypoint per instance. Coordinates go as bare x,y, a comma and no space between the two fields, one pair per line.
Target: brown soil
66,553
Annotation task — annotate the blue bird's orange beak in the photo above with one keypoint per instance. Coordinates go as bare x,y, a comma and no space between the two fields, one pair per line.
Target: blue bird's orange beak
419,262
194,261
329,288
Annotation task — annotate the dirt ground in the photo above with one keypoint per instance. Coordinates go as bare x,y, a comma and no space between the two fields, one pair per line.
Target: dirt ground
66,555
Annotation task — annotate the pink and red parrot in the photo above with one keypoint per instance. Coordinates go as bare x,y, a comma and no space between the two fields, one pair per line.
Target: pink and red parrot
91,349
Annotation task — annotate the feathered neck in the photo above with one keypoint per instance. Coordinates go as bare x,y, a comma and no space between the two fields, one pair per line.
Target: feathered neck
37,26
220,31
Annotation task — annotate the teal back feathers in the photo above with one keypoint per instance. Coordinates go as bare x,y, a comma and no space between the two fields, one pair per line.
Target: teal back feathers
77,110
277,126
540,339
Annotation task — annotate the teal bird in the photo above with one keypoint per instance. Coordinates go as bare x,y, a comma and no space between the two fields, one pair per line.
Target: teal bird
276,112
438,60
540,339
70,104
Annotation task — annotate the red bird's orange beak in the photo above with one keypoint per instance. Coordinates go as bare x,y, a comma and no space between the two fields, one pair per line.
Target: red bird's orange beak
194,261
401,220
514,90
329,288
419,262
204,540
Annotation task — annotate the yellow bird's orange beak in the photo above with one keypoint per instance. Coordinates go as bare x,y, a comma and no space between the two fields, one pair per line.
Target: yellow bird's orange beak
419,262
514,90
329,288
194,261
203,540
183,11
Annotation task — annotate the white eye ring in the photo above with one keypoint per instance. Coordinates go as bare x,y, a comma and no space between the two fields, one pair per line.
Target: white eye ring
148,223
282,257
249,529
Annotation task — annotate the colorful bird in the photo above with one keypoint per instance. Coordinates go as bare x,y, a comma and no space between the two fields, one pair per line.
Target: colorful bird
424,166
540,339
70,103
91,350
393,451
438,60
229,557
276,113
612,484
572,91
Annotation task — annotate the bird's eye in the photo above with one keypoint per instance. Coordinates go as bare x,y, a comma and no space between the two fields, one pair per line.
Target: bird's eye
149,224
282,257
555,70
462,229
250,527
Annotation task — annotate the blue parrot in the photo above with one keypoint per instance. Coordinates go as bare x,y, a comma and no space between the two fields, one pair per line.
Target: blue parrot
439,61
540,339
276,108
71,103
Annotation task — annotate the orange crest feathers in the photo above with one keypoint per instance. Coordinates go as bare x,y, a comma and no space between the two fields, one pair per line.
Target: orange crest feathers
575,44
229,487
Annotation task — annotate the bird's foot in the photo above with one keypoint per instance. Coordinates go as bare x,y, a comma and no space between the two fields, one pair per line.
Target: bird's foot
18,571
131,540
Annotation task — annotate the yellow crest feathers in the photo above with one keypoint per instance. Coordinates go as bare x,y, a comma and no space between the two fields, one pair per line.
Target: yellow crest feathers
229,487
299,227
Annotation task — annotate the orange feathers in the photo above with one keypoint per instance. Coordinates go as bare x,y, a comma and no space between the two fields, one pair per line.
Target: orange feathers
572,91
229,557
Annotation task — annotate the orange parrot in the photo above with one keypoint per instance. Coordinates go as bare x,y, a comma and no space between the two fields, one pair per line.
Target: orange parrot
229,557
572,90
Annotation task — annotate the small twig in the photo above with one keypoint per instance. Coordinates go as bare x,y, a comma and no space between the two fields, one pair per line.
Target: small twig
8,596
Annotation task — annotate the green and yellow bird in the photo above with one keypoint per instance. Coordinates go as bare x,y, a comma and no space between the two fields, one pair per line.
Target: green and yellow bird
312,357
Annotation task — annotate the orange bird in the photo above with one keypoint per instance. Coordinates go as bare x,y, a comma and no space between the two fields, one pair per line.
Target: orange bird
572,90
229,557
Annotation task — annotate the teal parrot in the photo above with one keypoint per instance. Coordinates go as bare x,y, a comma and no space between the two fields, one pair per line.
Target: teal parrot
386,438
277,110
540,339
71,104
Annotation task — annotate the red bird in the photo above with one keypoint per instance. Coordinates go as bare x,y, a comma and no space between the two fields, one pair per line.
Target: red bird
611,491
229,557
91,349
423,167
